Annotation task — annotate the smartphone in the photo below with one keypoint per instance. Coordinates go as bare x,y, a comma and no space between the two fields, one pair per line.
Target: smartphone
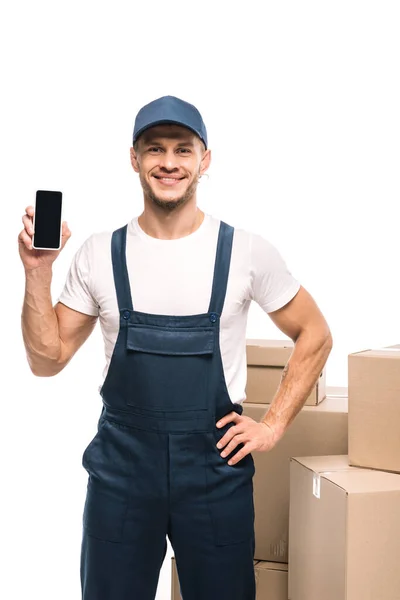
47,220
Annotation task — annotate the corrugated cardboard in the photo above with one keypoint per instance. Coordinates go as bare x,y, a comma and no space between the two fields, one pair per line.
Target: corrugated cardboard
271,581
374,408
316,430
265,362
344,531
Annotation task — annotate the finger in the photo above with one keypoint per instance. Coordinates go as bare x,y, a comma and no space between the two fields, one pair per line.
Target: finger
30,211
232,444
25,239
227,419
27,221
239,455
65,232
231,433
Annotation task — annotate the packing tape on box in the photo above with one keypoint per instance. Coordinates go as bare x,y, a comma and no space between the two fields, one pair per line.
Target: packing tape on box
317,482
317,479
316,485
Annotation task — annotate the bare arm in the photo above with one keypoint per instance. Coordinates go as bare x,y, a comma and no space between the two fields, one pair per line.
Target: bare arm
301,320
51,335
304,323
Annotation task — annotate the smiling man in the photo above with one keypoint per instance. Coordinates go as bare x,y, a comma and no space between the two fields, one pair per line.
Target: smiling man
169,180
172,454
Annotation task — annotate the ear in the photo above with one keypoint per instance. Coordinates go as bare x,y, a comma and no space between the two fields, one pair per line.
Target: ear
134,160
205,161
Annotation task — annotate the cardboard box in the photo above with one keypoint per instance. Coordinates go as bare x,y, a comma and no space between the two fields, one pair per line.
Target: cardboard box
271,581
344,531
316,430
265,362
374,409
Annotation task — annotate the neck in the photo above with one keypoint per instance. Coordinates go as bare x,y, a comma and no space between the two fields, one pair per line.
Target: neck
171,225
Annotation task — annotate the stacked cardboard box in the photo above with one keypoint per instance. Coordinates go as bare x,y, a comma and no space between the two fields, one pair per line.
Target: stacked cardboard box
265,362
344,511
271,581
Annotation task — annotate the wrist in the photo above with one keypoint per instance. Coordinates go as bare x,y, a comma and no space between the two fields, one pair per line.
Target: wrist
277,431
42,272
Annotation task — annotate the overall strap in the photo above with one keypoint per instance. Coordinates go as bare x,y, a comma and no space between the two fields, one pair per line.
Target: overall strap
121,279
221,268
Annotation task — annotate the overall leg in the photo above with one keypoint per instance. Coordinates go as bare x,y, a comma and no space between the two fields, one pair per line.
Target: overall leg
211,521
125,516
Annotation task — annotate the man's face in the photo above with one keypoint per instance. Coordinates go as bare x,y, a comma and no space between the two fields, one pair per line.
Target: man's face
169,160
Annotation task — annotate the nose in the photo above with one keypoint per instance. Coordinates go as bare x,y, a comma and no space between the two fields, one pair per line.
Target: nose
168,160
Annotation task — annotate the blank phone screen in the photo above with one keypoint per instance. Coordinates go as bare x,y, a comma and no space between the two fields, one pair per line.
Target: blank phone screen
47,219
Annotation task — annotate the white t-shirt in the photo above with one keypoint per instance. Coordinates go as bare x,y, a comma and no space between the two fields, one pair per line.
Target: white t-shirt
174,277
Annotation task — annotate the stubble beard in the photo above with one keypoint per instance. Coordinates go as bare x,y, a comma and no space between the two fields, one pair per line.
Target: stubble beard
169,205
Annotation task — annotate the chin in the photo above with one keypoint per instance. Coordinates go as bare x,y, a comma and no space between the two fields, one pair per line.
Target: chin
168,203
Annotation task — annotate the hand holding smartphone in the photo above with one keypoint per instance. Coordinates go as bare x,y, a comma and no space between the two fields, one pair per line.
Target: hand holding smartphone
44,235
47,220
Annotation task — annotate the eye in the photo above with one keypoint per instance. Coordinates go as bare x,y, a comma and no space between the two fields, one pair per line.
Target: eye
184,150
154,149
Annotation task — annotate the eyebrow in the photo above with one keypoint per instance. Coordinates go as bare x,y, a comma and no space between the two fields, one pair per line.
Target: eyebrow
155,142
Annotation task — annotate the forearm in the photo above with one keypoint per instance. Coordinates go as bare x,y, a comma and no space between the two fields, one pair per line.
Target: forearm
299,376
39,323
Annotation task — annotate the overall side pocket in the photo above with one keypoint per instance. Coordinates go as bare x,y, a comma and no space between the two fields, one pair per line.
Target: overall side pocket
233,518
104,512
107,493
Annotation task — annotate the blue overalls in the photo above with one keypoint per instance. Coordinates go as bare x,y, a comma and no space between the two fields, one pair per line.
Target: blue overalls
154,468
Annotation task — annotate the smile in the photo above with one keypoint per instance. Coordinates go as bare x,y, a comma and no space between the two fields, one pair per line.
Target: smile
169,180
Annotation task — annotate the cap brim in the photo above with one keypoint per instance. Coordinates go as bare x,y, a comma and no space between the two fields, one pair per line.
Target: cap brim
166,122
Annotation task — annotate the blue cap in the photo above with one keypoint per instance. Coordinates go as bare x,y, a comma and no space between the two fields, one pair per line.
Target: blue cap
169,109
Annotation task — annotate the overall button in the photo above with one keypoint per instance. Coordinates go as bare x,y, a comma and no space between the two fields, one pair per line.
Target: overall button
126,314
213,317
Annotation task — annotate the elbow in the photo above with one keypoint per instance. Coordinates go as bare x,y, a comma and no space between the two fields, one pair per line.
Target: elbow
320,336
46,369
38,372
326,345
328,339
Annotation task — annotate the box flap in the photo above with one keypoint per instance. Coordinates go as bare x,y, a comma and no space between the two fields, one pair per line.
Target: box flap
357,480
320,464
384,352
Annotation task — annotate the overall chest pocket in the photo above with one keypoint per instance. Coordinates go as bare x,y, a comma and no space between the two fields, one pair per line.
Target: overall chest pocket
168,369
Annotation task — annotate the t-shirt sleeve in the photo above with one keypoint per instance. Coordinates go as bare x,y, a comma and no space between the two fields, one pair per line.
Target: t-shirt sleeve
77,288
273,285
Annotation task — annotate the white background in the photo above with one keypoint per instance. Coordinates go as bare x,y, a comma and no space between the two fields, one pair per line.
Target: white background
301,102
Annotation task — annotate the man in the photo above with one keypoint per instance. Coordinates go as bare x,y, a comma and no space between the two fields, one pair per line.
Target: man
172,454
